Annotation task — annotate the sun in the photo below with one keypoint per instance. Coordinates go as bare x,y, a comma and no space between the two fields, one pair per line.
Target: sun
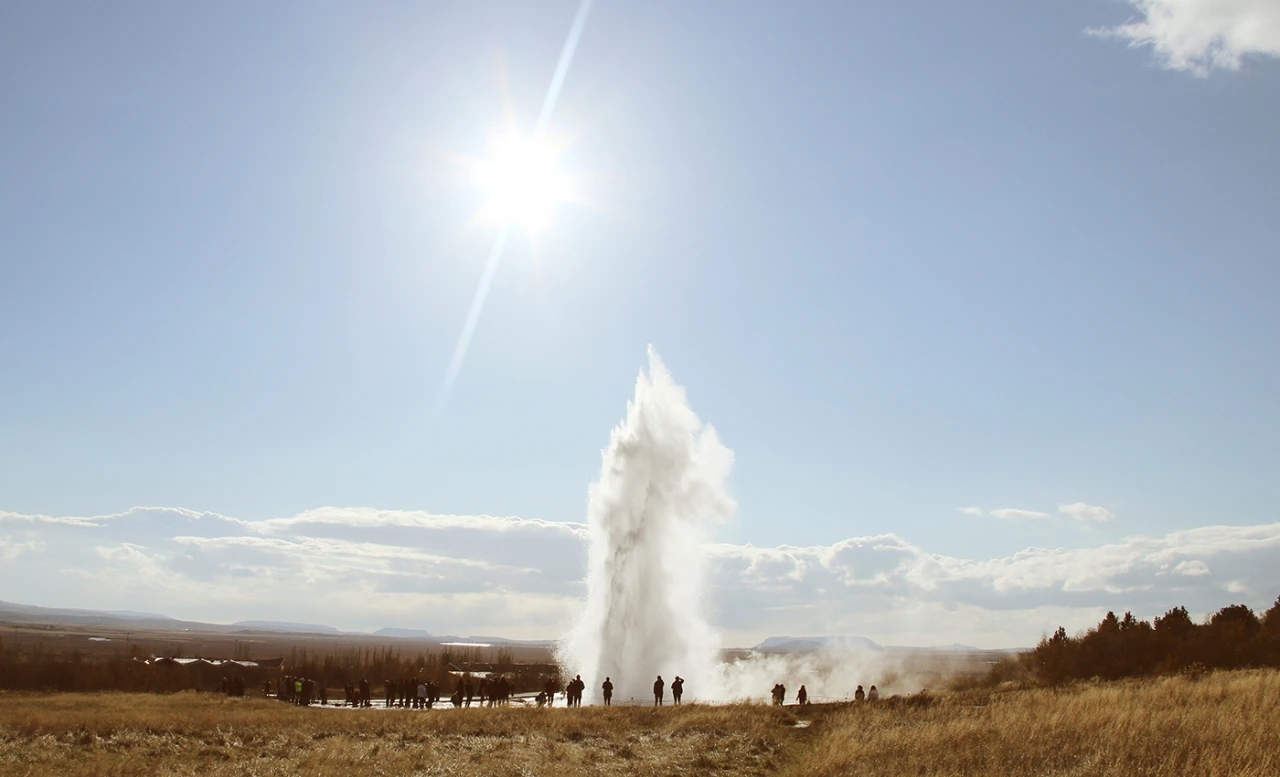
522,182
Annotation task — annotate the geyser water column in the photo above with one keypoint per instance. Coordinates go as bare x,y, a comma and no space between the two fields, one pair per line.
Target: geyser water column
661,487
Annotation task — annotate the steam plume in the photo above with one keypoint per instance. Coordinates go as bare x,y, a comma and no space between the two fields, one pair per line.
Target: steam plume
661,487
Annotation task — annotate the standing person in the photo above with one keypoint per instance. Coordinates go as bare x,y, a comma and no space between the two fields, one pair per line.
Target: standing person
873,694
578,688
607,687
549,688
658,687
421,701
484,689
365,699
467,690
802,696
677,689
859,694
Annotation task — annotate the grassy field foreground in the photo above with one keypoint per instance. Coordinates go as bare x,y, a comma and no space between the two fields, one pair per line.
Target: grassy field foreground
1219,724
1225,723
189,733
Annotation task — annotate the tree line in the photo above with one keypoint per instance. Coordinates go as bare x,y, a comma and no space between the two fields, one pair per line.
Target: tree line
35,667
1232,638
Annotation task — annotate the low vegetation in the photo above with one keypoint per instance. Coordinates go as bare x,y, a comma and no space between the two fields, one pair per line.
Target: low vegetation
33,663
192,733
1223,723
1232,638
1218,723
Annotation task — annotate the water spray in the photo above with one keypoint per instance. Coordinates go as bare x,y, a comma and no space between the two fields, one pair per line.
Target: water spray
661,488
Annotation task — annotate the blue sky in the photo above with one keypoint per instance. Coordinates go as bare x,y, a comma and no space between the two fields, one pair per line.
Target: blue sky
905,262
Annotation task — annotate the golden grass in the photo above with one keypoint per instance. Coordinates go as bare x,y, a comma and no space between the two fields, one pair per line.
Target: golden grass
189,733
1220,724
1226,723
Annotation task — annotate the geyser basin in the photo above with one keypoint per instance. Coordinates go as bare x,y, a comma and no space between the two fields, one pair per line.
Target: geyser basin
661,488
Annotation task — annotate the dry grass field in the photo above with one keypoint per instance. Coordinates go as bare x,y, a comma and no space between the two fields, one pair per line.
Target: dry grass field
1226,723
189,733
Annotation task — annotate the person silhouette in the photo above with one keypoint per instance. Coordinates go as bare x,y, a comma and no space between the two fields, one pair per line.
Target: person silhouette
607,687
658,686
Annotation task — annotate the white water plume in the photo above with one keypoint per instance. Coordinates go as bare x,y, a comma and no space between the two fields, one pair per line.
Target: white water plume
661,488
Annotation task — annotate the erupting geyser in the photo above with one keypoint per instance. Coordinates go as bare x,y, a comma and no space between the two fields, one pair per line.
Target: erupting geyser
661,487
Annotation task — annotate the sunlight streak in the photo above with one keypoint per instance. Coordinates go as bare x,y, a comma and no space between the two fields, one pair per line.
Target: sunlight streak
517,189
473,318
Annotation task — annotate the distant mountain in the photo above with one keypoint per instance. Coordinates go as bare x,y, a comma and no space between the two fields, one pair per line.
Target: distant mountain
27,609
402,633
126,618
816,643
285,626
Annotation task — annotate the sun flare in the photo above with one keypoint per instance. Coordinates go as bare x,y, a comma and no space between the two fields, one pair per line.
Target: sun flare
522,181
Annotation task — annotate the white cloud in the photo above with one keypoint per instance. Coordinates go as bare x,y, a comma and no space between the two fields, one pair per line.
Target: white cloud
976,512
364,569
8,517
1192,568
11,546
1086,512
846,586
1014,514
365,517
1200,35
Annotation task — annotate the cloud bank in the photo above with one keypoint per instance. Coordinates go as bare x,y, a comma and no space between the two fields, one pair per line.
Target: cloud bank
1201,35
362,569
1081,511
1015,514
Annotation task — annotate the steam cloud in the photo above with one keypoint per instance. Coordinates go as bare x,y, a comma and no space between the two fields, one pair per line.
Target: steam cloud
660,491
661,487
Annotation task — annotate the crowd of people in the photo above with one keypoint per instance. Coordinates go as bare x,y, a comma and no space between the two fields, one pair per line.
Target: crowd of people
779,694
404,693
232,687
414,693
677,690
304,691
